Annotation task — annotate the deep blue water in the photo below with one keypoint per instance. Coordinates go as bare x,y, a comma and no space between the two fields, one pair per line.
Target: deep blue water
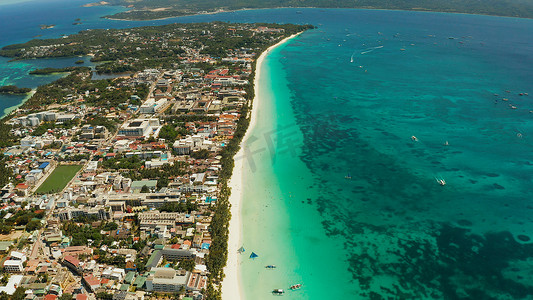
361,85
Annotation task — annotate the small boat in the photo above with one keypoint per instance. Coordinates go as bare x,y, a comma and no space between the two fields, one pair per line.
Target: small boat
446,143
440,181
270,266
253,255
241,250
296,286
413,138
348,176
278,292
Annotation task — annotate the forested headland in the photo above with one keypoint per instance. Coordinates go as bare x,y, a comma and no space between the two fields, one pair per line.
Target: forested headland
13,89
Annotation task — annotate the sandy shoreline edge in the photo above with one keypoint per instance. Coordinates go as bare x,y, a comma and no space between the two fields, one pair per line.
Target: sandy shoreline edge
231,287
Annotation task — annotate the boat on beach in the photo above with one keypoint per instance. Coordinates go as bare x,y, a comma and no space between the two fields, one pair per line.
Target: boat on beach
278,292
296,286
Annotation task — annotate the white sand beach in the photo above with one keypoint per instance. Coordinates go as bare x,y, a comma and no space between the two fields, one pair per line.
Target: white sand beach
231,287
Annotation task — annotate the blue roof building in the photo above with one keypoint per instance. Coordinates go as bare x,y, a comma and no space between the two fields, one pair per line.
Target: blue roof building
44,165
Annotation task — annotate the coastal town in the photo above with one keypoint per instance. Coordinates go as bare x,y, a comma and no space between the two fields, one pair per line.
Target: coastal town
116,188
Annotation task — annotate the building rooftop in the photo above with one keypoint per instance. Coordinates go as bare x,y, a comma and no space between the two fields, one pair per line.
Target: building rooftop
4,245
141,183
153,260
72,260
129,277
11,285
139,281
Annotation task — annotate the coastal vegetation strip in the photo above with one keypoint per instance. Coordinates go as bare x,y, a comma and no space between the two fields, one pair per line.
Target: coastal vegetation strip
48,71
58,179
158,9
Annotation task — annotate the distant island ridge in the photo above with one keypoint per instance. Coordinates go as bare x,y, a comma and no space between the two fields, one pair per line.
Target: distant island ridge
160,9
13,90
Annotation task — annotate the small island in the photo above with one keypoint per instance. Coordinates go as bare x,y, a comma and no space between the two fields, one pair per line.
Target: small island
13,90
101,3
44,26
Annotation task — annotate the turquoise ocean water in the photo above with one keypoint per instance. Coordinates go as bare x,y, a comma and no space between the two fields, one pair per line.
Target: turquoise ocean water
360,87
346,98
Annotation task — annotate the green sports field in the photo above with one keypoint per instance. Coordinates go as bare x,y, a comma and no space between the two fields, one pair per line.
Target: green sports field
58,179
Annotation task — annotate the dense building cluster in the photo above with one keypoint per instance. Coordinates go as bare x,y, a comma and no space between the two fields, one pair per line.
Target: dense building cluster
115,182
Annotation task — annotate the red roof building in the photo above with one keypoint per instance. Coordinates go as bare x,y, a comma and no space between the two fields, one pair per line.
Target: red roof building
21,186
81,297
91,282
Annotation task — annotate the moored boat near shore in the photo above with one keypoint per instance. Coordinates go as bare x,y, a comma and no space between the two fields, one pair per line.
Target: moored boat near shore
278,292
296,286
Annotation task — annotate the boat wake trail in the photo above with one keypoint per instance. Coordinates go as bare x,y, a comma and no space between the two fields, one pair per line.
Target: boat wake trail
371,49
351,59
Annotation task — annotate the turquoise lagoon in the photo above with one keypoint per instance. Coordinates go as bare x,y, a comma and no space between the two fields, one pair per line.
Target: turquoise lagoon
346,98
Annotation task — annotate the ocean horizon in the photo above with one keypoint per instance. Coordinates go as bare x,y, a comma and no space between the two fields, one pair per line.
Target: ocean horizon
359,120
